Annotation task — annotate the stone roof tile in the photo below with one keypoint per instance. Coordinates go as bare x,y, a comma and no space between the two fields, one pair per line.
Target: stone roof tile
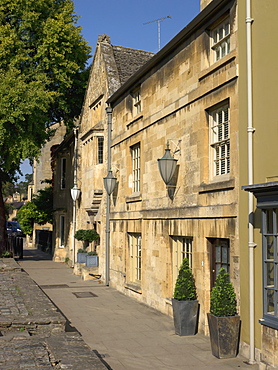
129,61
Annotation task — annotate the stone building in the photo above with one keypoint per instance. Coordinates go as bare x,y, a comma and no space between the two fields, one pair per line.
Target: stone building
208,97
111,67
184,98
63,164
42,173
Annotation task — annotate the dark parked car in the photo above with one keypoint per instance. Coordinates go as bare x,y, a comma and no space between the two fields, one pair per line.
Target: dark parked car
13,228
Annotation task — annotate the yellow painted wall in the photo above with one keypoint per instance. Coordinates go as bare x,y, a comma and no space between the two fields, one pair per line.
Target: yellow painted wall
265,91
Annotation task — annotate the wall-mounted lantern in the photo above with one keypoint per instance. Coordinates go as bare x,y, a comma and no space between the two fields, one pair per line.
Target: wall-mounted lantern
167,165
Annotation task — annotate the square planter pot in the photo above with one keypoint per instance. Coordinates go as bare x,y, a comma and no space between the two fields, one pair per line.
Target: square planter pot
185,317
224,335
92,261
81,257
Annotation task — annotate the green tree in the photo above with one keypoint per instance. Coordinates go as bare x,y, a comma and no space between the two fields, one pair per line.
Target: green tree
43,74
8,189
39,210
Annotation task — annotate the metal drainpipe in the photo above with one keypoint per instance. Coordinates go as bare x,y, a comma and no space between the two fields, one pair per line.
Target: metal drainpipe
75,130
250,131
107,235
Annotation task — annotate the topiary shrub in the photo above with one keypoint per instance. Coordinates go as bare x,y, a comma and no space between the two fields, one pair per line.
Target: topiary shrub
185,288
92,253
223,298
86,235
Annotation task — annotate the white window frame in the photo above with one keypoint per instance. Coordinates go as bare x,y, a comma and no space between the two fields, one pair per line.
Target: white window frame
136,159
62,231
220,140
135,257
220,40
137,102
182,248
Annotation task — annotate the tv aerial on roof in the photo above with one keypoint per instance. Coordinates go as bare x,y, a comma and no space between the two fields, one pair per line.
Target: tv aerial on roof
158,21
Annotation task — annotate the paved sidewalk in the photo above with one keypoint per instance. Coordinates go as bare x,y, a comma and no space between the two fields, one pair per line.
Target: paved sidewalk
127,334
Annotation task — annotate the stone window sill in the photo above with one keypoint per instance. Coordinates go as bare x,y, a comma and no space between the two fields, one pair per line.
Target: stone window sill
217,65
134,287
137,118
217,186
135,197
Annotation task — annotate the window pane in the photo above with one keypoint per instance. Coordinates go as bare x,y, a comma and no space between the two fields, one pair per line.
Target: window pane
270,247
269,215
225,255
227,29
218,267
217,254
270,302
270,274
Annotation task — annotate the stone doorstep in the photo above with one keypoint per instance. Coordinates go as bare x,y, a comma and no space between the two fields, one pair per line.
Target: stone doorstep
85,272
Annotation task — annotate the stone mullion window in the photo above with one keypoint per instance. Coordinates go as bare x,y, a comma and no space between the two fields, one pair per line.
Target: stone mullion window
182,248
137,104
221,40
135,252
100,142
135,152
220,140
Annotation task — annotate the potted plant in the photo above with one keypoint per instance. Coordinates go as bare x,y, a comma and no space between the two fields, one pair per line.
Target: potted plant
87,236
81,255
185,304
92,259
224,323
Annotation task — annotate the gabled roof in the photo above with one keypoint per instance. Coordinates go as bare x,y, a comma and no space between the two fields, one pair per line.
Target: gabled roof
120,62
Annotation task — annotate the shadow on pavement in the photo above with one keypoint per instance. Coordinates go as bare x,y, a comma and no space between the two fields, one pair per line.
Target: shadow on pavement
32,254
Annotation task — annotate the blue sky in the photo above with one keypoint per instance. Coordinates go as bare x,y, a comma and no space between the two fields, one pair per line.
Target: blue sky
123,21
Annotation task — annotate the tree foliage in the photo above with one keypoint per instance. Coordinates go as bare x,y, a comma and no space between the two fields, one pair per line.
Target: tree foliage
223,298
26,216
43,74
185,288
39,210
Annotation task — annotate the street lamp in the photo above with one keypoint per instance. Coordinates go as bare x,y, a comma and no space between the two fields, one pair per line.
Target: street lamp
109,183
75,193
